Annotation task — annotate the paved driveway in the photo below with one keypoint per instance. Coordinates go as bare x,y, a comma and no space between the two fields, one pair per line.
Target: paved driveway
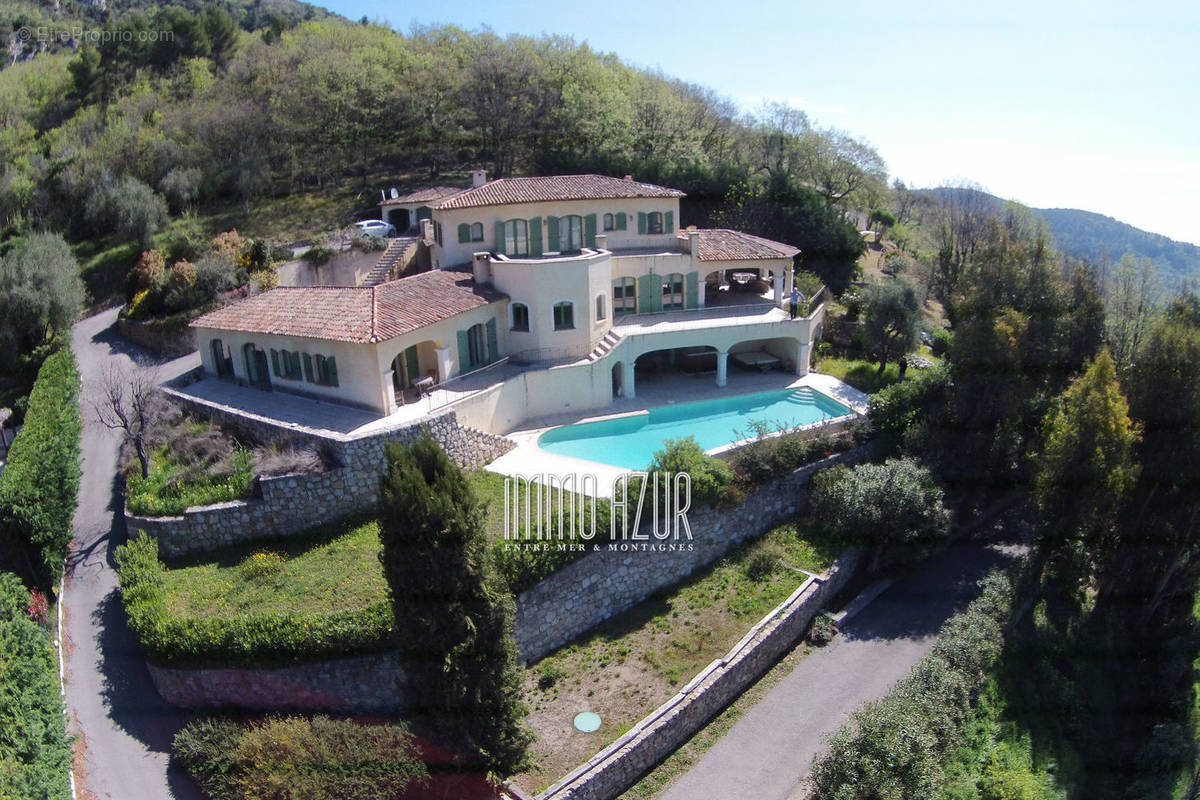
125,728
769,751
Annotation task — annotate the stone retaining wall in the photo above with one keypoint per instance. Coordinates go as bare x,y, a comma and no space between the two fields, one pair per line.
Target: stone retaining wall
617,577
168,340
372,683
618,766
291,504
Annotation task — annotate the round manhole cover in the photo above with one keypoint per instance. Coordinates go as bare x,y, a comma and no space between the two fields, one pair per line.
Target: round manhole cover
588,722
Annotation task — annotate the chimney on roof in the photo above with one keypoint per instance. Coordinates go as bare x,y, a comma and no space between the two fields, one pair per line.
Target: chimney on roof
481,267
628,177
478,178
693,241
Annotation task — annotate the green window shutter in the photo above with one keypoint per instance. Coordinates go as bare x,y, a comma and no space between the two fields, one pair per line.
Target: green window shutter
464,233
275,361
493,346
552,233
692,297
649,294
499,237
641,222
294,359
589,230
413,363
308,368
331,369
669,222
464,352
535,237
621,221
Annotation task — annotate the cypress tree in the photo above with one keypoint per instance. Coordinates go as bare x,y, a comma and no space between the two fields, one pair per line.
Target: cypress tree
454,616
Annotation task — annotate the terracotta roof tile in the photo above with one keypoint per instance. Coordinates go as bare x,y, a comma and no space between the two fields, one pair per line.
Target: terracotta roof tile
354,314
424,195
722,244
553,187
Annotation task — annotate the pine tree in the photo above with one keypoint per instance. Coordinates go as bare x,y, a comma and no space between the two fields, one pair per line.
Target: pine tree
454,616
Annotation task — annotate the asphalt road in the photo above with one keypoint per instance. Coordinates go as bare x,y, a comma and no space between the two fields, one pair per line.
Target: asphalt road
770,750
125,728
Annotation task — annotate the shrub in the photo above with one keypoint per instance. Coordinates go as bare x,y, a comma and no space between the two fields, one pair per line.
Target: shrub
40,482
809,283
260,566
182,275
297,758
40,296
823,629
895,509
711,477
899,746
259,639
760,564
894,410
148,271
265,279
940,341
35,752
896,264
854,303
318,256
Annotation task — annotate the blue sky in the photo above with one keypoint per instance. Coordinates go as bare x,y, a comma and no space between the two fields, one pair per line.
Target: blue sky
1055,104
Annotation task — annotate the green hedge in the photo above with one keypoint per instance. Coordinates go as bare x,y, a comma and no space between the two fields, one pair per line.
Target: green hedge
899,746
35,752
250,640
40,482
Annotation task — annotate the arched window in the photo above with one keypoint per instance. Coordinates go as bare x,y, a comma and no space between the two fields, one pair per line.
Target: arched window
600,309
518,317
564,315
624,296
516,238
257,372
477,232
610,222
672,291
476,346
570,234
654,222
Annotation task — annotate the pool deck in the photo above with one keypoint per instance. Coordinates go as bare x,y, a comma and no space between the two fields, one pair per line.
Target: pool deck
527,459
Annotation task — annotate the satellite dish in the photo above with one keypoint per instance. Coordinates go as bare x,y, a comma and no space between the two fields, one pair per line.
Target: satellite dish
395,194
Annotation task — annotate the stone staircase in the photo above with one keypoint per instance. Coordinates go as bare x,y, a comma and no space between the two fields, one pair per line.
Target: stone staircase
399,251
605,346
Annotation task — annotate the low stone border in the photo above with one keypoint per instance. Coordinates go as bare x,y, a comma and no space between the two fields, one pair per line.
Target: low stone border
618,766
167,340
371,683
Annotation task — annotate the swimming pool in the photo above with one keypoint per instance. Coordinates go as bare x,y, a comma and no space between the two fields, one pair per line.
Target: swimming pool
630,441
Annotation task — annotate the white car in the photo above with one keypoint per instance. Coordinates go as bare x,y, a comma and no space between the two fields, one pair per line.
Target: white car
375,228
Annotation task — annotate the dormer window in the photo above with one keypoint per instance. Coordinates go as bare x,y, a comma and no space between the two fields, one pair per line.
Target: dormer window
477,232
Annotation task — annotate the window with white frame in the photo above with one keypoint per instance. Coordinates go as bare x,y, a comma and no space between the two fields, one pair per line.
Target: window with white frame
672,291
516,237
570,234
624,296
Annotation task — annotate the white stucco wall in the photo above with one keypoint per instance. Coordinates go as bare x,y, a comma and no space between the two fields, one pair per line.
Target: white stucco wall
453,253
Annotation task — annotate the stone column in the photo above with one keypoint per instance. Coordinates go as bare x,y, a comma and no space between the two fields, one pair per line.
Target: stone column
722,366
442,354
627,380
389,391
778,286
803,351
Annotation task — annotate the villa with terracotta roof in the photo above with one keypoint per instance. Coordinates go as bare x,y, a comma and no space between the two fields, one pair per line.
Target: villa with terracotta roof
575,284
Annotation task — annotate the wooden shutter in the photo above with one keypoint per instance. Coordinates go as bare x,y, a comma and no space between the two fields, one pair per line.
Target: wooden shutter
641,222
589,230
493,352
464,352
535,237
693,290
621,221
413,363
294,363
552,233
275,362
669,222
649,294
500,237
464,232
308,368
331,370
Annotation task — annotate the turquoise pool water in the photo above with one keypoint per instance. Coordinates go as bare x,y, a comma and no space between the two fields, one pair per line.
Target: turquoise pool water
630,442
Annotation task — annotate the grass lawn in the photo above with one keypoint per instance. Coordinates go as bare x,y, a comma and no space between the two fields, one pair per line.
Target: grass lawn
172,489
335,572
633,663
864,375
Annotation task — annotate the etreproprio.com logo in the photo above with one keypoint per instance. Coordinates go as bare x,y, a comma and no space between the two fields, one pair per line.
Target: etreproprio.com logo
72,34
